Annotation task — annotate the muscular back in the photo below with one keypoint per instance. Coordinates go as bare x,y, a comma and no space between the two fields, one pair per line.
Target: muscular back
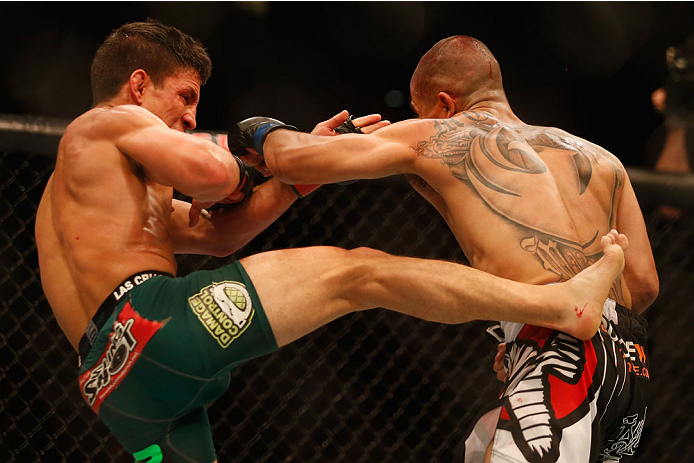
99,221
526,203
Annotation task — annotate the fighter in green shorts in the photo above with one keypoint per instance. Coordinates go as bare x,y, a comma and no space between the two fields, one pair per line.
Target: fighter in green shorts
165,352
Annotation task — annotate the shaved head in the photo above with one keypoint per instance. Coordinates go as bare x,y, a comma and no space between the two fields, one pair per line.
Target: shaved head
460,66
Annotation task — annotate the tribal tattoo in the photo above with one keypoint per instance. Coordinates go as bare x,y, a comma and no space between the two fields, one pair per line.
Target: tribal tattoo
502,166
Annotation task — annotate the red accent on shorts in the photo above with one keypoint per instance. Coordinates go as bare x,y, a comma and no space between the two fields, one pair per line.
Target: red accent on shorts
536,333
504,414
142,330
568,397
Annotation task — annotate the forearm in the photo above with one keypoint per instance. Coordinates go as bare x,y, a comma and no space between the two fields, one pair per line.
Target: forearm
227,231
301,158
235,228
197,168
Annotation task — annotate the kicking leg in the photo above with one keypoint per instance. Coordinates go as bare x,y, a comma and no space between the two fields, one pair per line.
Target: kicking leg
304,289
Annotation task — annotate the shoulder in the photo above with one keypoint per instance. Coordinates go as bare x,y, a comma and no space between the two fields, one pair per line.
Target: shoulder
107,123
424,128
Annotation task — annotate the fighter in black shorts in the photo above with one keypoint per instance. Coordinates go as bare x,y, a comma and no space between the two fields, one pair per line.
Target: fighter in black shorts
525,202
567,400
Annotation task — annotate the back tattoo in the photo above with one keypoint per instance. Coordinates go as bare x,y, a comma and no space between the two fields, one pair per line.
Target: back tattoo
502,166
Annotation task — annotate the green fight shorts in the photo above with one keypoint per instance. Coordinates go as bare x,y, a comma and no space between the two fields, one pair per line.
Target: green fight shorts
161,348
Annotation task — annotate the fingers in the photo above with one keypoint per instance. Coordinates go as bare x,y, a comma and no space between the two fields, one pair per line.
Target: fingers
373,127
196,210
194,214
334,121
370,123
498,366
366,120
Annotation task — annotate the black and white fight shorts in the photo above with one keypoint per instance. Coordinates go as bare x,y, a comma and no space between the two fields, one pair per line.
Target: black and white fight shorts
567,400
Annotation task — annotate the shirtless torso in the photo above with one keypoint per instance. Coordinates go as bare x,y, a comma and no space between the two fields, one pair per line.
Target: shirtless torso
90,235
525,203
108,210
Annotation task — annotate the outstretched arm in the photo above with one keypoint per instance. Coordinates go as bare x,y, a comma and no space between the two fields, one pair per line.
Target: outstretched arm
295,157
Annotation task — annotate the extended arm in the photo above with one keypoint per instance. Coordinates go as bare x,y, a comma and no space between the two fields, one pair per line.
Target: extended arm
295,157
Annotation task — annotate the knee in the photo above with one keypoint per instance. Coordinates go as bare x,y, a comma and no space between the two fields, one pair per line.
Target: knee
359,276
366,253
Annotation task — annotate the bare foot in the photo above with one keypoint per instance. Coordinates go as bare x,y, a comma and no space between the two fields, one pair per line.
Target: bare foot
588,290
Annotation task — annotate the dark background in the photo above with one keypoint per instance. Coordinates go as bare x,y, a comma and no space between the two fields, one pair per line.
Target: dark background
588,68
374,386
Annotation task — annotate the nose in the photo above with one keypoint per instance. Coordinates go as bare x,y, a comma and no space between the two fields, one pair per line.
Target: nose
188,120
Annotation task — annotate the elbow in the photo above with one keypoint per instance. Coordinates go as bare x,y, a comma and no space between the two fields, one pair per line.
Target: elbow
651,293
212,179
223,248
222,252
645,294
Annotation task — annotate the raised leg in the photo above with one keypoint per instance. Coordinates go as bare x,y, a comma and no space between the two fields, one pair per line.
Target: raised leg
303,289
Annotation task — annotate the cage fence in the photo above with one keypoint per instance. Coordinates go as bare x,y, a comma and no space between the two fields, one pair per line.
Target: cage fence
371,386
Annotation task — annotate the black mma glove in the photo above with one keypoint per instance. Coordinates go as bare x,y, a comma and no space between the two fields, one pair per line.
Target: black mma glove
251,133
245,187
348,127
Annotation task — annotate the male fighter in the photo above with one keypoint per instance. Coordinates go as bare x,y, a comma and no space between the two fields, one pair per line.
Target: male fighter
526,203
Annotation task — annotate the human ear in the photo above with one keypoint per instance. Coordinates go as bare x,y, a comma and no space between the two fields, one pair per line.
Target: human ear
136,85
446,104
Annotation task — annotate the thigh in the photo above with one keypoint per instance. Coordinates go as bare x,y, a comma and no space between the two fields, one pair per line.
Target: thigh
304,289
219,315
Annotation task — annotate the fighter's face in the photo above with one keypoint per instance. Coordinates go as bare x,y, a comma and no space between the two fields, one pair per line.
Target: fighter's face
175,101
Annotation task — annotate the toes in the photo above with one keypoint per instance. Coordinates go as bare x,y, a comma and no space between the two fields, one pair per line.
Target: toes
623,241
606,241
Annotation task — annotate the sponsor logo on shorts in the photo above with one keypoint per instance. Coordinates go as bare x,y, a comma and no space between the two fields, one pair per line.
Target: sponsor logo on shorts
627,439
129,335
634,353
129,284
225,309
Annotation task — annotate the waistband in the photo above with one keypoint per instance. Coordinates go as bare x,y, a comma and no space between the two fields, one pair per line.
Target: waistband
107,307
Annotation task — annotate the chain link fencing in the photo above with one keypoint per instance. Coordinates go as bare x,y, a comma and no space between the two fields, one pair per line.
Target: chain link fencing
371,386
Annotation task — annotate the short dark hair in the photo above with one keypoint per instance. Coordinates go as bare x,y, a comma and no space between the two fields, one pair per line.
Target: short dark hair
158,49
